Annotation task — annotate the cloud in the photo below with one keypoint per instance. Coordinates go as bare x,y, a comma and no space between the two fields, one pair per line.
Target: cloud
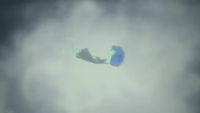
159,74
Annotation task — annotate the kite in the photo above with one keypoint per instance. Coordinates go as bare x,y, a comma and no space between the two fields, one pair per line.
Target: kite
114,58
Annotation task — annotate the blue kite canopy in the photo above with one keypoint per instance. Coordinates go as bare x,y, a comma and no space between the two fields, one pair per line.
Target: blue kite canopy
118,56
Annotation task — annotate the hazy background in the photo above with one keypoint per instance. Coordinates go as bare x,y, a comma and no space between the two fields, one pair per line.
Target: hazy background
40,74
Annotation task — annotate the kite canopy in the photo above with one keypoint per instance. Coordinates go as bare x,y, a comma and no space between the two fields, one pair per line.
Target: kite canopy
117,57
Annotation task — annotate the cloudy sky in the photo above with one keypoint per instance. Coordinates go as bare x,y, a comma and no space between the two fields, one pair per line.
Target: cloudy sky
39,72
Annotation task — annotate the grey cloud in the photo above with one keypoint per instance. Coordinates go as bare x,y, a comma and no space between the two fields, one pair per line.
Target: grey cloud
159,75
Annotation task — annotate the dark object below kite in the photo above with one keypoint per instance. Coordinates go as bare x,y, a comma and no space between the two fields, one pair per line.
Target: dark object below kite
85,55
115,57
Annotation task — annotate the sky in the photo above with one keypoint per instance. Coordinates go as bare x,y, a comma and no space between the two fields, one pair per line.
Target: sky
39,72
